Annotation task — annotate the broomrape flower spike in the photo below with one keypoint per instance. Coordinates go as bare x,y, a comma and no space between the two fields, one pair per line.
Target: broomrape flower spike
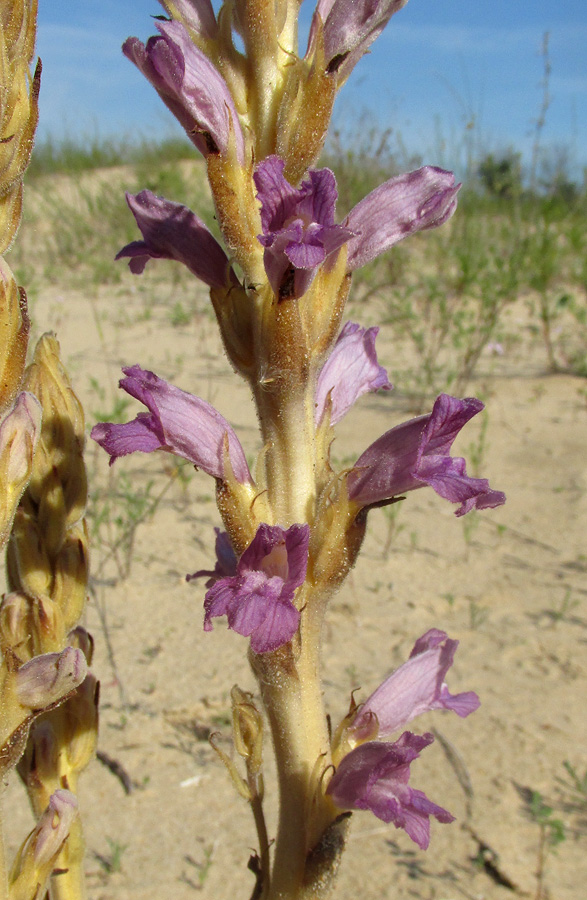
278,279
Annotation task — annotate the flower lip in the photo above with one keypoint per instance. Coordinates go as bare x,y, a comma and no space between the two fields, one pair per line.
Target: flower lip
375,777
191,87
417,453
172,231
351,370
177,422
299,232
416,687
258,598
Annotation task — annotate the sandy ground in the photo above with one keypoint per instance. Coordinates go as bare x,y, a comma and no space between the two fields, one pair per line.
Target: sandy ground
512,589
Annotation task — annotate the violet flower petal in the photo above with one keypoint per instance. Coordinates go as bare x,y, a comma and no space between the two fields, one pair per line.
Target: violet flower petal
350,27
190,85
226,561
258,599
375,776
418,686
350,371
172,231
401,206
298,226
416,453
177,422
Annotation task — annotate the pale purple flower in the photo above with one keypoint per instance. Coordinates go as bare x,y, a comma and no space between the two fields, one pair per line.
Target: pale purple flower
350,371
54,826
418,686
177,422
299,232
191,86
350,27
172,231
226,561
417,453
258,598
415,201
375,776
45,679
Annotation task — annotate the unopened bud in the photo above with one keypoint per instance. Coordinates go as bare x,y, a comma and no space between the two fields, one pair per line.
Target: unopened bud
14,327
247,726
54,826
14,624
84,641
48,678
19,434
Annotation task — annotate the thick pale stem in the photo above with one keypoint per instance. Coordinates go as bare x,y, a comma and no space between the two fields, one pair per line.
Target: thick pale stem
288,434
293,699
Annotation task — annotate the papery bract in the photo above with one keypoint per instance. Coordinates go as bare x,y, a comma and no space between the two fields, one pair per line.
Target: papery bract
177,422
416,687
172,231
258,599
375,776
404,205
417,453
191,86
299,232
350,371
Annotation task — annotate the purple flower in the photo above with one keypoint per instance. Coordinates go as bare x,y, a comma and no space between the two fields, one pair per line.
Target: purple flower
299,233
416,454
190,86
172,231
413,202
375,776
418,686
350,371
177,422
350,27
258,598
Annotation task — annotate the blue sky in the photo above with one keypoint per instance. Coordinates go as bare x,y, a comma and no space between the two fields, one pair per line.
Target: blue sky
440,66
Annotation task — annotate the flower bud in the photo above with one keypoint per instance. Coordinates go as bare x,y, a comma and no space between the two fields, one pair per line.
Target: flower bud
19,434
48,678
82,640
14,327
14,625
247,729
54,826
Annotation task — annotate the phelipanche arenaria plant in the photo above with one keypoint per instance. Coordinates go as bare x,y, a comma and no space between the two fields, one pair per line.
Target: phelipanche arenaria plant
293,524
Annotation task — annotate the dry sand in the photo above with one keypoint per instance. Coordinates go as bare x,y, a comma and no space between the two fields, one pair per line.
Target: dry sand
513,592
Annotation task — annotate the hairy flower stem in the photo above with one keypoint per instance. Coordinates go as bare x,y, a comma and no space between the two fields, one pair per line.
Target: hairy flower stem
290,687
70,884
287,426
